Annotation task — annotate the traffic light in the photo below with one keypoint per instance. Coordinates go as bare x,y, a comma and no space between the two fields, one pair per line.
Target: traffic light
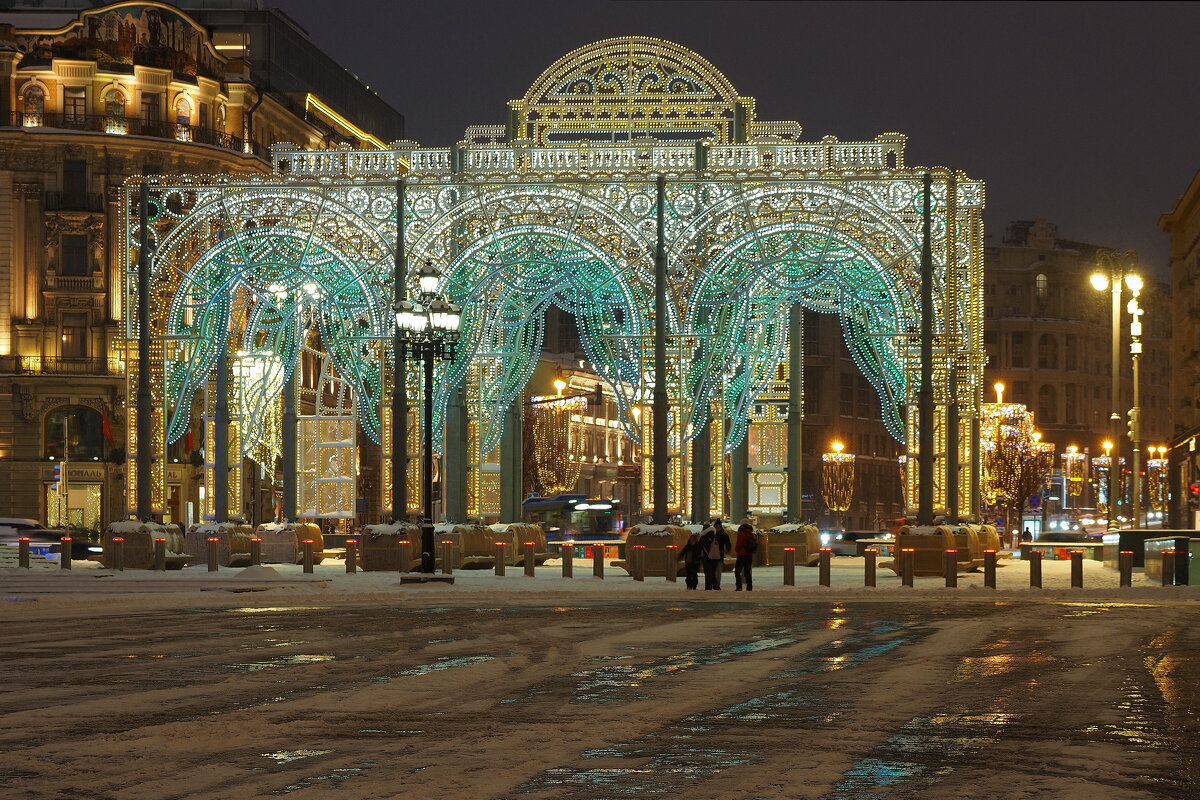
1135,427
57,477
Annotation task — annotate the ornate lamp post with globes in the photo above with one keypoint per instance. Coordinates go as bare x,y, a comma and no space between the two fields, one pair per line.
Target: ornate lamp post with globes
428,329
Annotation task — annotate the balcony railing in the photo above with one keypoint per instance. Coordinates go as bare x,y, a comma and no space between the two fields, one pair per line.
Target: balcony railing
73,201
131,126
52,365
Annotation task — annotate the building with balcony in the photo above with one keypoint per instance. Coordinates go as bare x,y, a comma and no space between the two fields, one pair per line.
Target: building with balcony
89,97
1048,335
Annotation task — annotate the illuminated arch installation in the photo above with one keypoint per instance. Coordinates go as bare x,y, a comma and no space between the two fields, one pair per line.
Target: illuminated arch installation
560,206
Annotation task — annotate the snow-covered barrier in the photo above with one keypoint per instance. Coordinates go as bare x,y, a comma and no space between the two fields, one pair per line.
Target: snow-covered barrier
281,541
233,549
139,544
380,550
805,538
655,539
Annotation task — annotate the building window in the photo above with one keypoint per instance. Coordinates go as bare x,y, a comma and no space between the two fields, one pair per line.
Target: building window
846,394
74,336
1020,350
220,118
1047,352
151,109
74,255
1041,284
1072,349
74,104
183,119
1020,392
34,101
114,112
77,430
1047,412
74,184
203,122
1072,402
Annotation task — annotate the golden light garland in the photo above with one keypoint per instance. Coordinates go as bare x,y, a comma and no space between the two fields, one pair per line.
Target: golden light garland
1156,472
557,445
1016,463
1074,470
837,474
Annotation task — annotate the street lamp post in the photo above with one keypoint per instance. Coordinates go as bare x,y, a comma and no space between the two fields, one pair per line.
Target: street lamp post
1120,268
429,332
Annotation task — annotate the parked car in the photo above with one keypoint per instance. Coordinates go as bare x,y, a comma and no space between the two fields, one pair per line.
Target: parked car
48,542
843,543
1070,536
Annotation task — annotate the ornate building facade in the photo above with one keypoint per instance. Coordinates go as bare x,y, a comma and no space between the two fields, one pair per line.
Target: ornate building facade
88,100
1048,336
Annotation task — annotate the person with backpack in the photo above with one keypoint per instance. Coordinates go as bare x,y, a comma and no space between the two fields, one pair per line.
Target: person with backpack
745,548
690,556
714,543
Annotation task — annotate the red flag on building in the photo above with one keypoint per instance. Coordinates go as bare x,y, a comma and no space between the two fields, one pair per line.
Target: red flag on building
107,431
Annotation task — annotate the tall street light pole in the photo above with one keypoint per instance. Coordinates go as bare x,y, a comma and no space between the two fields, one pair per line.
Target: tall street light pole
1134,283
1120,268
429,329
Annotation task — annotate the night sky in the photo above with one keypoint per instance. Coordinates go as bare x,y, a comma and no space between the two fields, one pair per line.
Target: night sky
1084,114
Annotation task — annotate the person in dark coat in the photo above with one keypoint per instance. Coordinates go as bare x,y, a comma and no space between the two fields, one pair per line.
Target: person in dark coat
714,544
690,556
744,549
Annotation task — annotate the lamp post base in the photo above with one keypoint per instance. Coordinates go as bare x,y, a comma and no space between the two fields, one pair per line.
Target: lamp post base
427,547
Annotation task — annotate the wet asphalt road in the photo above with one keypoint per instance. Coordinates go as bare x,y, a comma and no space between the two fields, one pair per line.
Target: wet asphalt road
607,700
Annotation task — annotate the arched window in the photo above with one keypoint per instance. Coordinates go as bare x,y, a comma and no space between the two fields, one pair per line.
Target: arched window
81,428
34,101
1047,404
183,119
1041,284
114,111
1047,351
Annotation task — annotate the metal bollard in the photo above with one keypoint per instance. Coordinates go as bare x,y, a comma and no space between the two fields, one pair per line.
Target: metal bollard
214,553
351,556
308,556
672,567
118,544
639,562
64,552
255,552
568,560
906,566
447,556
598,561
871,554
23,552
1035,569
789,566
989,569
1076,569
1168,567
160,555
500,559
1125,562
404,547
951,569
529,565
825,556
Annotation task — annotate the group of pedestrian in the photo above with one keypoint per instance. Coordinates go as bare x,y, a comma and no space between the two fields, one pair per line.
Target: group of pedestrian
707,550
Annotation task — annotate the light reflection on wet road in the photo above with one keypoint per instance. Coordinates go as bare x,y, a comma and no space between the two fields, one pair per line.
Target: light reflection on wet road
702,699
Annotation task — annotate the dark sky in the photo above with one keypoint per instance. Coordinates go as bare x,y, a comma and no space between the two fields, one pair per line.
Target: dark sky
1084,114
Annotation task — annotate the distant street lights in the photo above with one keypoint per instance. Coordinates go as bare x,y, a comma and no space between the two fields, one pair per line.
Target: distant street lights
1117,268
429,331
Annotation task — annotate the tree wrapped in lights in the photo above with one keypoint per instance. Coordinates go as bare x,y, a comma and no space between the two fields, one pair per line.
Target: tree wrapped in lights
1156,472
1074,470
1016,462
837,479
557,445
1106,481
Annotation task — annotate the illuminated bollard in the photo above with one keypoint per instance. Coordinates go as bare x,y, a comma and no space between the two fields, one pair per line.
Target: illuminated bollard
1168,567
1125,562
639,562
672,564
351,556
825,556
23,552
789,566
447,556
118,545
308,556
404,548
906,566
529,564
871,555
951,569
214,553
160,554
255,551
500,559
1076,569
598,561
64,554
989,569
568,559
1035,569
